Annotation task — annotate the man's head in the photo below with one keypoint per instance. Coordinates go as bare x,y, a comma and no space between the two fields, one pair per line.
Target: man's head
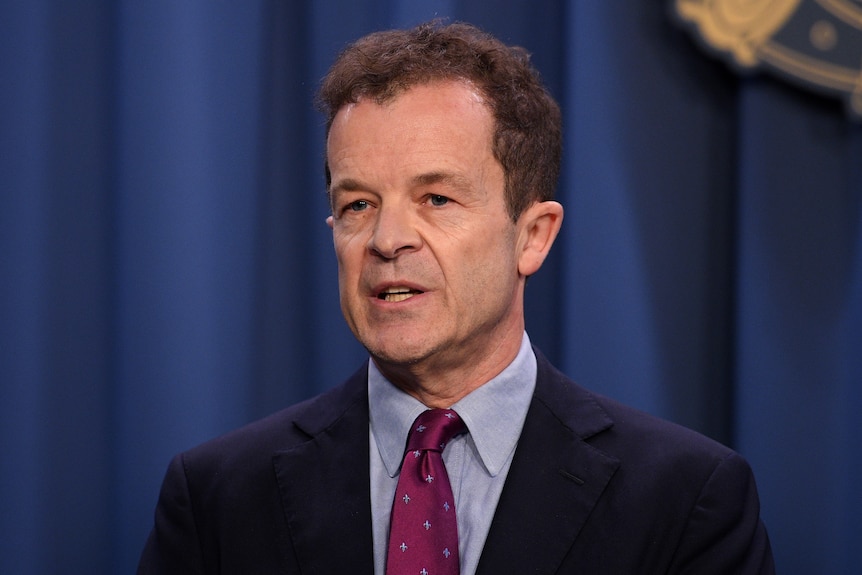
527,138
432,258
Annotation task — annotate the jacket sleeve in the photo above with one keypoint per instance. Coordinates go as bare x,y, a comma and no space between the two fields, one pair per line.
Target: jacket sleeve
173,546
724,533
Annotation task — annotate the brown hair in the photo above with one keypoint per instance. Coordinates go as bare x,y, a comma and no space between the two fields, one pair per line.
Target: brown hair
527,135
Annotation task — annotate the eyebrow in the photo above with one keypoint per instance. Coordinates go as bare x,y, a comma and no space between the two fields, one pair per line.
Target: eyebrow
348,184
456,181
428,179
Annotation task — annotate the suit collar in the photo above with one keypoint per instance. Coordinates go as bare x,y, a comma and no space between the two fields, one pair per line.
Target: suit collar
576,408
494,413
553,484
555,480
324,483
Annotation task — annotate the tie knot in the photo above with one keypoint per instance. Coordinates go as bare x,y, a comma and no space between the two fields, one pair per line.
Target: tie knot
433,429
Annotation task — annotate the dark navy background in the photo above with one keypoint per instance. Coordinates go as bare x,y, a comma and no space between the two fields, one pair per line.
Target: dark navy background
166,273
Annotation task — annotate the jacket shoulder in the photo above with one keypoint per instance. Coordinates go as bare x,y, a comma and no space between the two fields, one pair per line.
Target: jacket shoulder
617,428
280,431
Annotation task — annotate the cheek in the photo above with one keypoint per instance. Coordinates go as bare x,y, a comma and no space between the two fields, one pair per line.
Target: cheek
349,251
495,247
484,267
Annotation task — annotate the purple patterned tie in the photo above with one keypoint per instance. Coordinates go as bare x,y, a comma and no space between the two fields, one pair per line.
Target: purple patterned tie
423,534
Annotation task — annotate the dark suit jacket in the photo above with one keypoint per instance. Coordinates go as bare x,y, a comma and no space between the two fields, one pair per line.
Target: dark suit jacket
594,487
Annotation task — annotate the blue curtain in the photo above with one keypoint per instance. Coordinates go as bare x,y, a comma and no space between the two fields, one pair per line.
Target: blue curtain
166,274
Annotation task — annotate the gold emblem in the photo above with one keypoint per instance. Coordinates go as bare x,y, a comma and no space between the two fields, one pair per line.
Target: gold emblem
816,43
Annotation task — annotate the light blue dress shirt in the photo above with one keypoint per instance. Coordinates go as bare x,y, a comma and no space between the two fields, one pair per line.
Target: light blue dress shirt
477,462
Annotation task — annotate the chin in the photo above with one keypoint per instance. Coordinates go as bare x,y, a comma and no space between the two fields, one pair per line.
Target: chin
397,356
399,352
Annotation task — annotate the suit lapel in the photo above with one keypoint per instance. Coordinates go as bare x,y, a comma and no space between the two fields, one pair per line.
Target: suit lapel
554,482
325,485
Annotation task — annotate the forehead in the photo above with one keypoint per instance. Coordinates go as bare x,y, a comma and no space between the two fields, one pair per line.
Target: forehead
423,119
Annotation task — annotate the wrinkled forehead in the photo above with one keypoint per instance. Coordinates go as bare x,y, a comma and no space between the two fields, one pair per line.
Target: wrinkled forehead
452,96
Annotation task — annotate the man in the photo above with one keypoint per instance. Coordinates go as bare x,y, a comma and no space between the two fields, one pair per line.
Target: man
442,157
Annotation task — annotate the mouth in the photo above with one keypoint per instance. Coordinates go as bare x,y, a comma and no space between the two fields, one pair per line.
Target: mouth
396,294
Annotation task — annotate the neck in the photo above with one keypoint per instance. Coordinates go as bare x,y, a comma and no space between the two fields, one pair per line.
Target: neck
439,383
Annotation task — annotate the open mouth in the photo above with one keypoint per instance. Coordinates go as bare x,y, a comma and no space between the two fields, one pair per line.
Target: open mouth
396,294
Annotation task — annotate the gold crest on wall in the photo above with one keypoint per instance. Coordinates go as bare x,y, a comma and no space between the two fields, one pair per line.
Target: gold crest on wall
814,43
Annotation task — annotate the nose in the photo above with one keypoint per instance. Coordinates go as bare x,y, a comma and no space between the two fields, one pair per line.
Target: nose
394,233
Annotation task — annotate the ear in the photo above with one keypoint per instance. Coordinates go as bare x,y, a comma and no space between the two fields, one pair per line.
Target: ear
538,225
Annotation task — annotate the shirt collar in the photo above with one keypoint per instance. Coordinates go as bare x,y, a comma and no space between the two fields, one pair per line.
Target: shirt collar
494,413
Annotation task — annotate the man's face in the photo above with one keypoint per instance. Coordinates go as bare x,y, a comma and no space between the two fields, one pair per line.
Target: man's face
427,254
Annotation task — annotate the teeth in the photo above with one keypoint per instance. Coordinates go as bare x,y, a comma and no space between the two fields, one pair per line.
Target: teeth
397,294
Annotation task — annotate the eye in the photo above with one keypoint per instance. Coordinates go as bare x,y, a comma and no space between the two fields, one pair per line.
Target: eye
438,200
357,206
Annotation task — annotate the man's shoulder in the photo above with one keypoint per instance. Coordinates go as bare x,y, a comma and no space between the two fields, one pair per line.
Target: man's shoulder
671,495
282,430
654,439
623,431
